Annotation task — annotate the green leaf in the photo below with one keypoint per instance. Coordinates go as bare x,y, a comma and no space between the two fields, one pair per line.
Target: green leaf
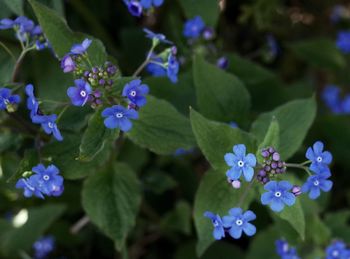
16,6
338,223
207,9
263,244
321,53
216,139
111,199
271,138
220,96
95,137
16,239
29,160
216,195
161,128
294,118
294,215
179,219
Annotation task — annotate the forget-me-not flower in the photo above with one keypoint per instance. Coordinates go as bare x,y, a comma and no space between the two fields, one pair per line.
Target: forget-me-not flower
136,91
343,41
319,159
238,222
79,94
7,100
218,231
79,49
48,123
278,195
118,116
193,28
317,183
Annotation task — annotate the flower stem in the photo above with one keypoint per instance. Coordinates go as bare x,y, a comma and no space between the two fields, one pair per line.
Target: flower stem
145,63
244,195
8,51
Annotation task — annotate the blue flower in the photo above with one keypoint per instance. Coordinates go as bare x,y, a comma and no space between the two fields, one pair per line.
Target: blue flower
79,49
319,159
150,3
43,246
134,7
222,63
48,179
278,195
337,250
240,163
343,41
316,183
30,187
331,97
48,123
118,116
155,69
32,103
345,104
79,94
6,24
194,27
238,222
7,100
156,36
285,251
135,91
68,64
219,231
173,67
233,124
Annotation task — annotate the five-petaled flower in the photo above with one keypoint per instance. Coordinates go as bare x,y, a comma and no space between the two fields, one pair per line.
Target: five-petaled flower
193,28
320,159
48,179
317,183
118,116
240,163
7,100
43,246
337,250
238,222
30,187
278,195
79,94
79,49
343,41
219,231
285,251
48,123
135,91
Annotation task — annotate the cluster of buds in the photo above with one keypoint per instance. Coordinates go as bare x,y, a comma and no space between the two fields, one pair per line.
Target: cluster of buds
272,165
95,99
100,76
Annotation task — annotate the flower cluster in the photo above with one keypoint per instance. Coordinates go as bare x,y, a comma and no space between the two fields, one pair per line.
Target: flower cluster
27,32
332,98
42,181
271,165
8,101
343,41
234,223
285,251
137,7
47,122
43,247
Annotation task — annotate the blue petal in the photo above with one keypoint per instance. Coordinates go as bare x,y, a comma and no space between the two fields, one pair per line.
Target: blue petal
285,185
327,157
111,122
288,198
305,188
249,215
218,233
249,229
132,114
271,186
266,198
239,150
248,173
228,221
230,159
310,154
108,112
209,214
318,147
277,205
250,159
233,173
314,193
235,212
326,185
125,124
235,232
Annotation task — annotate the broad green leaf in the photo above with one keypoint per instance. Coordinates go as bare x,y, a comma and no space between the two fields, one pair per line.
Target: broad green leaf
220,96
271,138
294,215
322,53
111,199
29,160
179,219
263,244
216,139
216,195
95,137
161,128
338,223
17,239
16,6
207,9
158,182
294,118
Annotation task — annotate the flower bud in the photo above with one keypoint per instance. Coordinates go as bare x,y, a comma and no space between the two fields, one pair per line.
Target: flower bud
236,184
296,190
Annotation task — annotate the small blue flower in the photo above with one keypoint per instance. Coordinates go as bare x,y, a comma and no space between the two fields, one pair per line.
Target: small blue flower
240,163
68,64
233,124
7,100
343,41
79,94
173,68
48,179
285,251
30,187
43,246
238,222
135,91
222,63
32,103
194,27
147,4
118,116
219,231
48,123
272,45
6,24
134,7
337,250
156,36
331,97
319,159
278,195
345,104
79,49
316,183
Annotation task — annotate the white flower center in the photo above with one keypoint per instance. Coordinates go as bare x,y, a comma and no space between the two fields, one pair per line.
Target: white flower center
278,194
133,93
285,247
46,177
239,222
240,163
83,93
316,182
119,115
50,124
6,101
335,253
319,159
215,223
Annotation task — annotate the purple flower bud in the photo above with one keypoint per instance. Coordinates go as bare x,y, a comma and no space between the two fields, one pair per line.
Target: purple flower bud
267,168
132,106
236,184
276,156
296,190
94,70
86,73
97,94
271,150
262,173
265,180
278,171
208,33
94,76
102,82
274,165
222,63
68,64
110,82
229,180
265,153
280,164
98,101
